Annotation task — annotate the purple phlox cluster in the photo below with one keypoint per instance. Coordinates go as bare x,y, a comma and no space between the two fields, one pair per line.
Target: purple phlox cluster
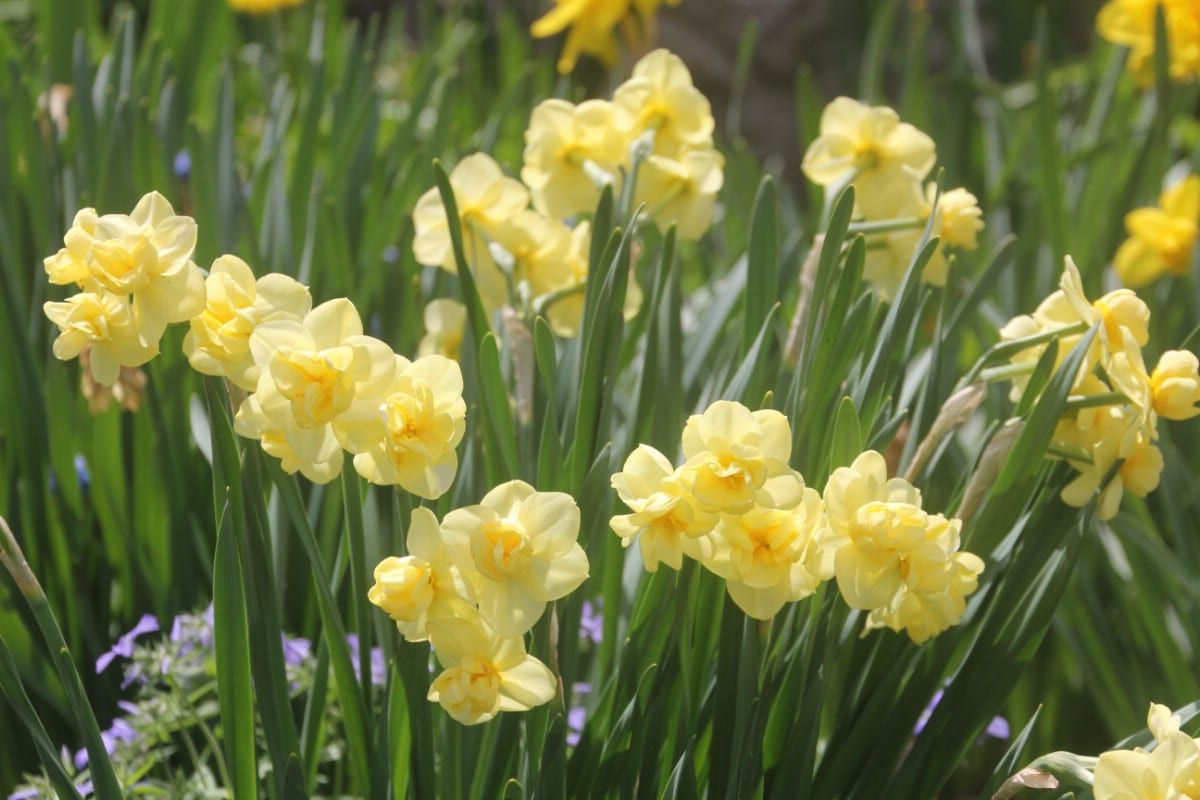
378,665
997,728
119,731
577,714
192,635
591,621
124,646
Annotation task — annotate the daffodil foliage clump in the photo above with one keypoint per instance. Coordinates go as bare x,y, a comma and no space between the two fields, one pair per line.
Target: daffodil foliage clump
526,434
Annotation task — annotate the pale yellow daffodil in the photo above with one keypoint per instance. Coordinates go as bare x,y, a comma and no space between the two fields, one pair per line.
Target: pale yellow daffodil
484,672
521,544
219,340
1162,239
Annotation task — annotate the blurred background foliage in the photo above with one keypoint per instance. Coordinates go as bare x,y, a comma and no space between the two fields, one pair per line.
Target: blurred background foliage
302,140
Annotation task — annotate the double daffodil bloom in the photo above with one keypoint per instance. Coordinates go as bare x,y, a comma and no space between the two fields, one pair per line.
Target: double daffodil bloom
407,435
105,322
520,544
1131,23
422,585
762,554
666,522
733,453
219,340
571,151
311,373
485,673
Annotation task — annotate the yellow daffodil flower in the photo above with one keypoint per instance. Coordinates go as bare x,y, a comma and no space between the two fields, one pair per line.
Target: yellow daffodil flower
1175,384
445,320
1131,23
219,340
1161,240
147,256
937,578
310,374
1171,770
666,522
884,158
486,198
660,97
683,191
408,438
485,673
262,6
424,584
70,264
733,453
571,151
762,555
591,24
521,544
104,323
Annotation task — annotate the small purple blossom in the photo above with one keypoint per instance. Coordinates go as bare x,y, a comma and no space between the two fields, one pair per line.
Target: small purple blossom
997,728
124,646
83,475
24,794
378,665
591,622
576,717
121,731
296,651
183,165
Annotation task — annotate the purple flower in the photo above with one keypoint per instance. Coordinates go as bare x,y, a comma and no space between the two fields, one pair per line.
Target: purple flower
183,165
576,717
296,651
591,622
378,666
24,794
124,645
83,475
121,731
997,728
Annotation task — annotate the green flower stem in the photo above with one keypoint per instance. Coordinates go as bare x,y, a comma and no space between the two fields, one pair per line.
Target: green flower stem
639,151
1006,371
1077,402
104,779
1068,452
885,226
1005,350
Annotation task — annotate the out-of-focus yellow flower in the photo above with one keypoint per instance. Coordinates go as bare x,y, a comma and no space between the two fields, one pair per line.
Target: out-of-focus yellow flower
310,374
592,23
219,340
1171,771
104,322
1161,240
445,321
681,191
886,159
521,543
660,97
1131,23
410,437
1175,384
571,151
485,673
485,197
733,453
667,522
959,218
762,554
262,6
1109,434
424,584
